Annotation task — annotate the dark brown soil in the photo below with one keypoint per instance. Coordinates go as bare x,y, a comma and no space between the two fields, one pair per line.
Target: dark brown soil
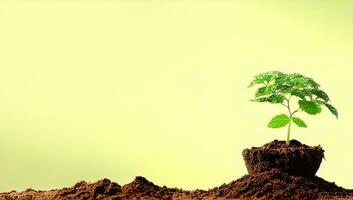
273,183
295,158
141,187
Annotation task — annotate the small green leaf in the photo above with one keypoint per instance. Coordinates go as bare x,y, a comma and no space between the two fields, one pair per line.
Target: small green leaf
262,91
283,89
309,107
299,122
265,78
272,99
276,99
312,83
299,82
299,93
332,109
320,94
254,82
279,121
261,79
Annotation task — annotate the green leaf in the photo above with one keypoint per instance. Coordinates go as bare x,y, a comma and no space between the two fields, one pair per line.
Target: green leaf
296,80
260,79
255,81
279,121
312,83
272,99
309,107
265,78
299,122
262,91
283,89
320,94
299,93
276,99
332,109
301,81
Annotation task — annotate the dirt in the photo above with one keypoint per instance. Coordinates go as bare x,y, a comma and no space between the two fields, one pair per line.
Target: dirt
275,184
295,158
272,181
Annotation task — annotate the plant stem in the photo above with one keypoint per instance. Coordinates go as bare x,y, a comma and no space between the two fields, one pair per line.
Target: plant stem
297,110
290,121
288,133
288,106
290,116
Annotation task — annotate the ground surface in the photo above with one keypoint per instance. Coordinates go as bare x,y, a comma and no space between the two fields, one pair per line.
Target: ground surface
272,183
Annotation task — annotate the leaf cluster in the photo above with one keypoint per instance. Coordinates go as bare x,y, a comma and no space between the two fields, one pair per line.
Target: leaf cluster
277,87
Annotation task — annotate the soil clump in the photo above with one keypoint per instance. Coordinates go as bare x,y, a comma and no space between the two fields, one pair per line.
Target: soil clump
295,158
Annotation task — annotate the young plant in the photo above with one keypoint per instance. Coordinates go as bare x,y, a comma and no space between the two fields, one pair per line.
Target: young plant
279,88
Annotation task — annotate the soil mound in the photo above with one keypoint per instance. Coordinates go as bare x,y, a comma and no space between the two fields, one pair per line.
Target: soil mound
102,189
276,184
277,179
141,187
295,158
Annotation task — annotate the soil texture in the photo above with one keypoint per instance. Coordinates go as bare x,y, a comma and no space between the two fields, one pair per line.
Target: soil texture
272,181
295,158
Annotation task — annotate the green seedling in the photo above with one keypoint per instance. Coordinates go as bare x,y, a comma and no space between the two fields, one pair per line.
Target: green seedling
279,88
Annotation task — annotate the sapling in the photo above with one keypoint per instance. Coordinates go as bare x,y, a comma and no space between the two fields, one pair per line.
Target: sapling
279,88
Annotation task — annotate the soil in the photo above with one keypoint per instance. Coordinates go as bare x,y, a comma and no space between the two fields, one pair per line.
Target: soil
272,181
295,158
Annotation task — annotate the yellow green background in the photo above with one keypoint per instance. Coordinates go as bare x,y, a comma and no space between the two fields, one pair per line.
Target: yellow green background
94,89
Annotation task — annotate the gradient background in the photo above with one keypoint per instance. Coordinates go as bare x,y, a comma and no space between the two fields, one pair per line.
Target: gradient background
93,89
